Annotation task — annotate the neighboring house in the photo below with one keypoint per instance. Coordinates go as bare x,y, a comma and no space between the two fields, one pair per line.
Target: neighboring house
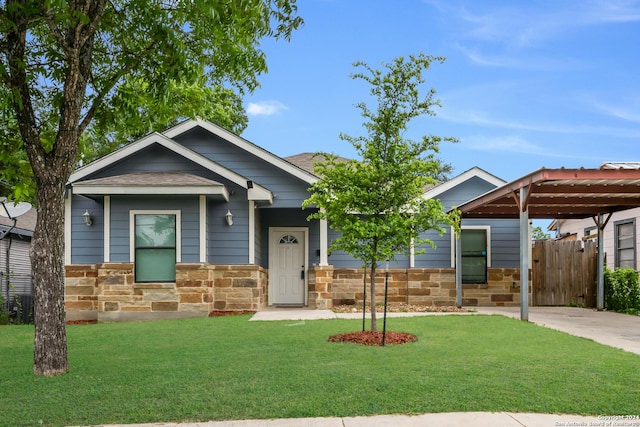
15,262
620,234
197,220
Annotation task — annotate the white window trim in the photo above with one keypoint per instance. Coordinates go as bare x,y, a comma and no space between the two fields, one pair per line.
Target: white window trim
487,229
132,230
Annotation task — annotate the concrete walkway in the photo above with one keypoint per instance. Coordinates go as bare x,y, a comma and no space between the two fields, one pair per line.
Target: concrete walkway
613,329
456,419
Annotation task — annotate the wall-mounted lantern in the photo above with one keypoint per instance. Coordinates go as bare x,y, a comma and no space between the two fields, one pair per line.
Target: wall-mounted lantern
87,218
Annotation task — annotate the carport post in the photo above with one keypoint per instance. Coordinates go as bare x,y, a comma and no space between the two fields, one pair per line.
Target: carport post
600,296
458,264
524,255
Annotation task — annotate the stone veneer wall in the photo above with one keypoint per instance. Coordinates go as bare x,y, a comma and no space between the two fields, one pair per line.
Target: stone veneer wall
107,292
423,286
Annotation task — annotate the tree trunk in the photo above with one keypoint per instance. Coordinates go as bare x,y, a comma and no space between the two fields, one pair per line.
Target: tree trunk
47,263
374,320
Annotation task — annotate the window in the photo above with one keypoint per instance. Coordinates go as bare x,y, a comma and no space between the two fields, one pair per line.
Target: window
625,243
288,239
473,243
591,231
155,248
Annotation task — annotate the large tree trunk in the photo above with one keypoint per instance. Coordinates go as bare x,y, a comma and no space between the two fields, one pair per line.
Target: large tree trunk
47,263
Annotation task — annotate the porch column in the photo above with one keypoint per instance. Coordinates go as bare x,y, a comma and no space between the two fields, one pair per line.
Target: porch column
324,260
600,270
458,266
107,229
252,232
67,225
524,254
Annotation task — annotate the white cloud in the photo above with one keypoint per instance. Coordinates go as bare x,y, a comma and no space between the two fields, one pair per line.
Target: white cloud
523,25
508,60
627,113
265,108
518,144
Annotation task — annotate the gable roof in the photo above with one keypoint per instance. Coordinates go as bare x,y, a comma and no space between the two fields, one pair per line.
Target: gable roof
242,143
463,177
257,192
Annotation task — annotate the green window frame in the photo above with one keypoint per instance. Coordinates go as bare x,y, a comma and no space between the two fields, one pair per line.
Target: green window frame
473,243
155,245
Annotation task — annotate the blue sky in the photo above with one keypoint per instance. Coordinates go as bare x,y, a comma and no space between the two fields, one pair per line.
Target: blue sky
526,84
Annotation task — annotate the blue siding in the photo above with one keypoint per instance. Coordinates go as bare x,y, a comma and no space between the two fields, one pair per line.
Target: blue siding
87,243
341,259
155,158
438,257
289,191
187,205
464,192
228,244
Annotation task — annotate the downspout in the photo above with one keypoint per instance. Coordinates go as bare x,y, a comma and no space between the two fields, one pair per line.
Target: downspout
8,264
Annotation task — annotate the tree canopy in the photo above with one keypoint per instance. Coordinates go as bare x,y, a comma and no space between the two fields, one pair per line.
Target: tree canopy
376,203
62,62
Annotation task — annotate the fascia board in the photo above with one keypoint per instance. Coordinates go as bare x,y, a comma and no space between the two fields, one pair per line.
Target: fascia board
148,189
463,177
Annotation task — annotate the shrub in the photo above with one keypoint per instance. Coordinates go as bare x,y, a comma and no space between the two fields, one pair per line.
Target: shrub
621,290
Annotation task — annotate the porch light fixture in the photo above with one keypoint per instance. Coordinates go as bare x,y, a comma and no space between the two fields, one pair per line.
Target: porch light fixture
249,184
87,218
229,218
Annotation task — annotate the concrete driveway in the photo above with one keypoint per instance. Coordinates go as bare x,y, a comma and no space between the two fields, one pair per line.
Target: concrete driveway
612,329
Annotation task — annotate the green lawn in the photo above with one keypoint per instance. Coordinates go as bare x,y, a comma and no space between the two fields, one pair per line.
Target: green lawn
230,368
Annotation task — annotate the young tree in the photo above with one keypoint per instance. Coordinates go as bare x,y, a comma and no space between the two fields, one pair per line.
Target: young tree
61,61
376,203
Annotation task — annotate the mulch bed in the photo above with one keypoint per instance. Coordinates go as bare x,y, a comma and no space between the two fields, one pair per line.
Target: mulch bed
81,322
391,338
373,338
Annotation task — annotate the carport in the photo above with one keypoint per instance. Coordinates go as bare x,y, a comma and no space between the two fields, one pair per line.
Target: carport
555,194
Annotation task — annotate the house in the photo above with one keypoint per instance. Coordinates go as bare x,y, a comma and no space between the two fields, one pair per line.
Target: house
196,220
16,287
620,234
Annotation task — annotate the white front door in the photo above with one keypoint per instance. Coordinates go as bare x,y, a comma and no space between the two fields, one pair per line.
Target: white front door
287,266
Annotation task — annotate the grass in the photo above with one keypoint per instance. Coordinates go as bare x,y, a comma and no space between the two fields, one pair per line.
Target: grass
227,368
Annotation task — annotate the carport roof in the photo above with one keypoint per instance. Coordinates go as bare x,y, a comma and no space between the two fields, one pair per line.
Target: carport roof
561,193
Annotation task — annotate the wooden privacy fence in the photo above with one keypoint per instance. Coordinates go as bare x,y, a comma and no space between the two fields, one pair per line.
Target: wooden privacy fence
564,272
